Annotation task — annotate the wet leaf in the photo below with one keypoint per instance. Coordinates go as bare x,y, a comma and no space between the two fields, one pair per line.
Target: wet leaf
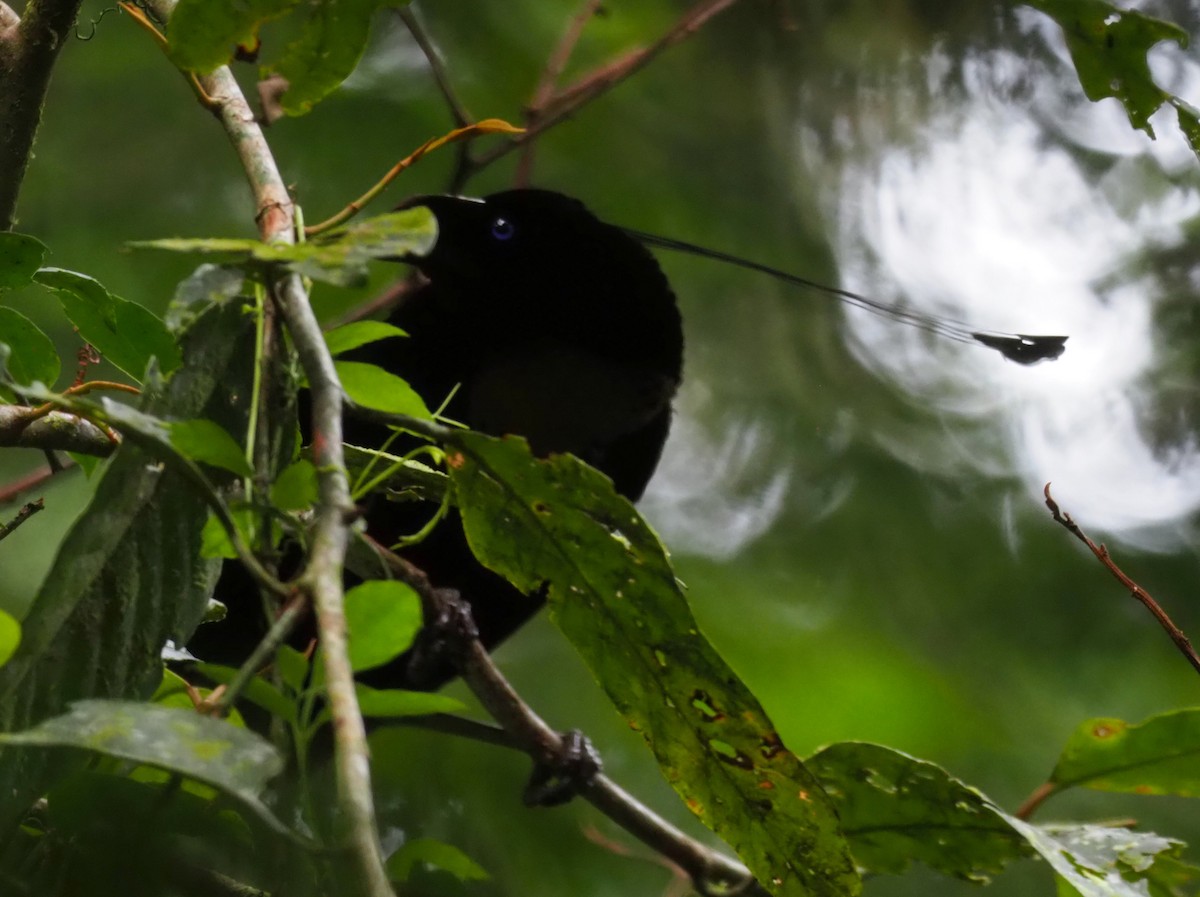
613,593
896,809
1158,756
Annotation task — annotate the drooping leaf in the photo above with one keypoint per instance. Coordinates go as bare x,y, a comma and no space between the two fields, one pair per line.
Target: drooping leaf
339,257
437,854
208,442
203,34
124,332
1158,756
20,256
896,809
1108,46
332,41
359,333
371,386
32,356
129,575
614,595
235,761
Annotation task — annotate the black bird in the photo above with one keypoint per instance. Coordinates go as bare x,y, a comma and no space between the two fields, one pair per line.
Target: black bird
539,320
542,321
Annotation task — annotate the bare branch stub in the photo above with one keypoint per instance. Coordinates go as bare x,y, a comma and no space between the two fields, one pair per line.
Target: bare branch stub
1182,642
27,511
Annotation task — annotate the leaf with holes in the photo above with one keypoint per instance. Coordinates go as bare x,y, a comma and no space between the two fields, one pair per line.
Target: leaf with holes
896,809
613,593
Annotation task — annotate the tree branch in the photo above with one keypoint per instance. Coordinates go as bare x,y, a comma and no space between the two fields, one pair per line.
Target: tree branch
22,427
322,578
29,46
709,870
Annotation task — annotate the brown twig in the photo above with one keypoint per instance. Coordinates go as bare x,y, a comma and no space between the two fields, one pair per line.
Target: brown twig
27,511
1039,796
543,94
461,115
709,870
1182,642
568,101
10,492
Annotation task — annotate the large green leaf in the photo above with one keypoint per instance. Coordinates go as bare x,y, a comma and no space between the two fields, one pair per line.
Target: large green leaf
124,332
233,760
613,593
129,574
1158,756
896,809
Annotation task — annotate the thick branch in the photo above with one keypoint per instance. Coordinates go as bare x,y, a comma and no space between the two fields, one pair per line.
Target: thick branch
710,870
28,49
56,431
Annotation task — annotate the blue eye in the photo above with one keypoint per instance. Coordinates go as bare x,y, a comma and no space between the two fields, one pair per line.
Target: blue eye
503,229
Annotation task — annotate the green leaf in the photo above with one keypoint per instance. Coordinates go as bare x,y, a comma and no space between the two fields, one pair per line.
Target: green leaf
1108,46
382,618
10,637
214,538
359,333
896,809
20,256
209,443
1158,756
296,487
330,45
1096,861
614,595
339,257
436,854
235,761
394,703
292,667
128,575
32,356
203,34
124,332
371,386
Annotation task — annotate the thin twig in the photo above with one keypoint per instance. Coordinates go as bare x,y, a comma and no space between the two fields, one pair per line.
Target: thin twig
437,68
1039,796
27,511
568,101
292,613
709,870
543,94
10,492
1182,642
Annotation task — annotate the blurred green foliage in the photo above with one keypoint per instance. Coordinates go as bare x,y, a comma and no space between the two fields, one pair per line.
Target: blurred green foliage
886,596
